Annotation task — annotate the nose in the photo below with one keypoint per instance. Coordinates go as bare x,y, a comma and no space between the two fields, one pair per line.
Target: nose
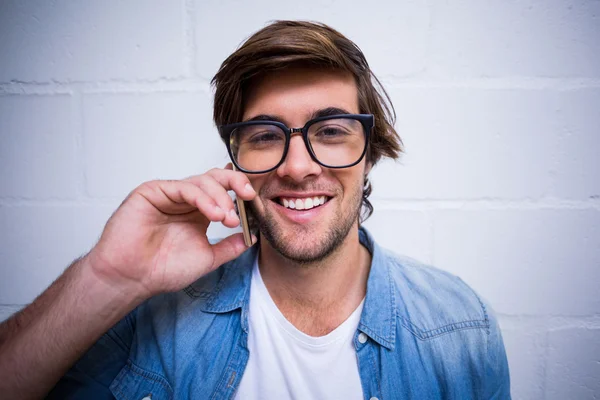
298,164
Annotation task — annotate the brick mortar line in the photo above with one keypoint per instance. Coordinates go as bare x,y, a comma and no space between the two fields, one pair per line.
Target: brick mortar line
78,124
14,91
524,83
408,205
196,82
542,370
485,204
542,323
184,86
60,202
432,236
558,324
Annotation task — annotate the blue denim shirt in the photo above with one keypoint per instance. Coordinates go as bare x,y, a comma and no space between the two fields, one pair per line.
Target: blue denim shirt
429,336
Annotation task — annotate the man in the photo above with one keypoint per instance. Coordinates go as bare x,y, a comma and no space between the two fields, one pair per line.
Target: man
314,309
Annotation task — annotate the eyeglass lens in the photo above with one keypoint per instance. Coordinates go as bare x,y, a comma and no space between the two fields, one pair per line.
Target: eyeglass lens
335,142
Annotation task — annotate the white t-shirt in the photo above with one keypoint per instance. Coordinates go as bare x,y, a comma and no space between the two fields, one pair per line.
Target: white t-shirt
286,363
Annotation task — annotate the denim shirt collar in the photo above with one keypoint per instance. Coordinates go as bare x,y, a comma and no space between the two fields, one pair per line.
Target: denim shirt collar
378,319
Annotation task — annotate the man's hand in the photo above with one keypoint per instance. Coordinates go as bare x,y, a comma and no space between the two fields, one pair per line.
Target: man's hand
156,240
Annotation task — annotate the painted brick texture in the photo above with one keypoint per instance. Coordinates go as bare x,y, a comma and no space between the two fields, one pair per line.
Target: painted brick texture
497,104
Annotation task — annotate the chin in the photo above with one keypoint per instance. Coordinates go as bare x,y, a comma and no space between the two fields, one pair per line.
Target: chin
309,243
303,244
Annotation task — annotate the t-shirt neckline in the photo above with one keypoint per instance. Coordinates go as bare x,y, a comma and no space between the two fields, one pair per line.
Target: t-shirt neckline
341,332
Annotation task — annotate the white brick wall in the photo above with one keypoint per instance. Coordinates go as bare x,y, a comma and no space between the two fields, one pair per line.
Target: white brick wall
38,154
66,41
498,104
132,138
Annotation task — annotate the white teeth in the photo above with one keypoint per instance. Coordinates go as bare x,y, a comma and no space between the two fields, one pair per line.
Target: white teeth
304,204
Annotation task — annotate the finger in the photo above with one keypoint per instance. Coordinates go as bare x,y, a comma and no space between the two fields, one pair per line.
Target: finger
229,248
214,189
234,180
179,197
208,205
229,180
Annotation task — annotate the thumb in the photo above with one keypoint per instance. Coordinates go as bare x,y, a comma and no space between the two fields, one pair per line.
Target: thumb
229,248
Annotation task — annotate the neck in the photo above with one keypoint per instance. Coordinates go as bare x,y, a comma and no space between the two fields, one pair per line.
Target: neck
328,291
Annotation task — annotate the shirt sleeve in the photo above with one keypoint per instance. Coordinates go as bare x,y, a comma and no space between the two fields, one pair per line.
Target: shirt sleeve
497,377
93,373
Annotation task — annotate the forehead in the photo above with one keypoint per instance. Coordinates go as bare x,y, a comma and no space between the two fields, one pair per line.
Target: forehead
293,94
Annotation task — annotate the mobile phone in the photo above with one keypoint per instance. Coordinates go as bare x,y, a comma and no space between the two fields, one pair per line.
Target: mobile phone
243,219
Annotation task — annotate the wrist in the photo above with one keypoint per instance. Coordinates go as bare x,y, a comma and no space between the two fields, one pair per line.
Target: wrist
115,293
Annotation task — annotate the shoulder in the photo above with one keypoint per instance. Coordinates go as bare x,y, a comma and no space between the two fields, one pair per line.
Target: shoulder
431,302
442,321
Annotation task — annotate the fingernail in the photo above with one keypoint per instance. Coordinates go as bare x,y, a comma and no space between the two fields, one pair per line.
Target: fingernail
233,213
218,209
249,188
254,239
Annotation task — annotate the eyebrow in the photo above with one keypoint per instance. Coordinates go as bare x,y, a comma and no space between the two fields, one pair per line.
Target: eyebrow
324,112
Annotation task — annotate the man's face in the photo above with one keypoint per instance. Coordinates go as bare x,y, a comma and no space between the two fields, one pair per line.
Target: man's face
294,96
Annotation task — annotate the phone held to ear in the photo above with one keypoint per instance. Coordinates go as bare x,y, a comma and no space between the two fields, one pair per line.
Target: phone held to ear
243,219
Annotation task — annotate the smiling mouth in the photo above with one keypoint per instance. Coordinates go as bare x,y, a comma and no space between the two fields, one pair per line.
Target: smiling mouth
302,203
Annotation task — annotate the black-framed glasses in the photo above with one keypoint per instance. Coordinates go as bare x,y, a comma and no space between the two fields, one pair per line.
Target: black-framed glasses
333,141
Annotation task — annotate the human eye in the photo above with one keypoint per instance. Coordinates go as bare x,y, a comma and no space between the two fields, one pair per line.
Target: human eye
264,137
331,132
261,136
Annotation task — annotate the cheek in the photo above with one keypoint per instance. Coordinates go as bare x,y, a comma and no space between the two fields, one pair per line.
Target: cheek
353,182
259,183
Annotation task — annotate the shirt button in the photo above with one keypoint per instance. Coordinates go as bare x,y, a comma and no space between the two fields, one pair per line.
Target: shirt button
373,398
363,339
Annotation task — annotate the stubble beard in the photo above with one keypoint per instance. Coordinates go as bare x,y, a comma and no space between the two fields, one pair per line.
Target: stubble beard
288,242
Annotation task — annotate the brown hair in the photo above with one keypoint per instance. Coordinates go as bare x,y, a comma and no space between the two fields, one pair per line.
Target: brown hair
289,43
